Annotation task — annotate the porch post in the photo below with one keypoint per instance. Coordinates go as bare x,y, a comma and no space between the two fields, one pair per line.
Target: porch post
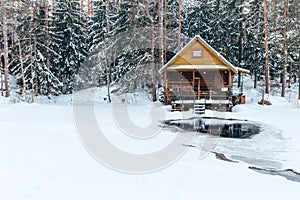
193,83
165,87
229,79
165,81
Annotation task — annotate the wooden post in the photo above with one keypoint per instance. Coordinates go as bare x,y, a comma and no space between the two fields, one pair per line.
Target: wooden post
193,79
199,87
229,79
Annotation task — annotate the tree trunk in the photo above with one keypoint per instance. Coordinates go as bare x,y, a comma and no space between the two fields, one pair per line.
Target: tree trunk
299,78
22,69
160,31
32,73
179,25
283,83
241,49
255,80
35,48
239,79
266,47
1,77
108,75
165,30
5,45
159,28
34,58
82,6
32,88
154,98
47,33
90,8
108,68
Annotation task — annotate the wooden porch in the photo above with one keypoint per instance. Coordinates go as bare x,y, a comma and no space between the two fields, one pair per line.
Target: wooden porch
196,85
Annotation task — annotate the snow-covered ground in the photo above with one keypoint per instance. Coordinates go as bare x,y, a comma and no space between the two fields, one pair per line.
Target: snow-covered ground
41,155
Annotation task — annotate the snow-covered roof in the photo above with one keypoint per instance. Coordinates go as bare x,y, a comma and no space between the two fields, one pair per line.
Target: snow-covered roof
242,70
212,50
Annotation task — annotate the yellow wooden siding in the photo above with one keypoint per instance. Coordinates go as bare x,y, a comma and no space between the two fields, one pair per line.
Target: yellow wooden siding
186,57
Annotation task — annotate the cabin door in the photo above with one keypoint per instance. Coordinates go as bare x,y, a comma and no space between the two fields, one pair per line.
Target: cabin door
197,87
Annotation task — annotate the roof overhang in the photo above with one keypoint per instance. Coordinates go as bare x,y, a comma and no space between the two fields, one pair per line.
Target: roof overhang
242,70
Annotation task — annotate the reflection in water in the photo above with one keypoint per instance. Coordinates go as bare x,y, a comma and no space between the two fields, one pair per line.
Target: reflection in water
231,128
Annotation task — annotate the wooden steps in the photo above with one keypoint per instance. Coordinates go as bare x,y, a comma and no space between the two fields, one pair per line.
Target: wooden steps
199,107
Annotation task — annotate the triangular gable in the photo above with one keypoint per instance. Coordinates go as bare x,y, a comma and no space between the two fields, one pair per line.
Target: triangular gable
209,56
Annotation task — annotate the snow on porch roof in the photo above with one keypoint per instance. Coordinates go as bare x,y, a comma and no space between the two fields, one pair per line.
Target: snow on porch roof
217,54
203,67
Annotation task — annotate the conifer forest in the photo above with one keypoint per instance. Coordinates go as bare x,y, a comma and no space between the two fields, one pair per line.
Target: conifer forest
45,42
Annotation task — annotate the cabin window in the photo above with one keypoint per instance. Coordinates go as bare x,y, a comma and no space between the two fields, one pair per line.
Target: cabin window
197,54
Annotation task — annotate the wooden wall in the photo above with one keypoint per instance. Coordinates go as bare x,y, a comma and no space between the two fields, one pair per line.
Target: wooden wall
186,57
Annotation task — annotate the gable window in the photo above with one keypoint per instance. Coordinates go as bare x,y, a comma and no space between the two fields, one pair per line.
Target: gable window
197,54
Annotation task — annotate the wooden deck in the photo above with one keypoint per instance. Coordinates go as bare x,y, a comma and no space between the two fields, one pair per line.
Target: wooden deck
184,105
202,100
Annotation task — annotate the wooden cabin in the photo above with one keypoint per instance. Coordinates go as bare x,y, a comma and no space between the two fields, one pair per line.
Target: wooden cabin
198,74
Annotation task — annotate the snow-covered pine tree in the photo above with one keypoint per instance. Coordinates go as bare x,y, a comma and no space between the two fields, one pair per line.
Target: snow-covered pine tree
173,26
197,20
96,24
123,56
92,71
276,40
233,25
68,42
20,57
254,37
48,83
30,64
217,31
293,35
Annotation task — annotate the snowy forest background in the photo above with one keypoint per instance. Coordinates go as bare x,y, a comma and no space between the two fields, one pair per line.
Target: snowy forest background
44,42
